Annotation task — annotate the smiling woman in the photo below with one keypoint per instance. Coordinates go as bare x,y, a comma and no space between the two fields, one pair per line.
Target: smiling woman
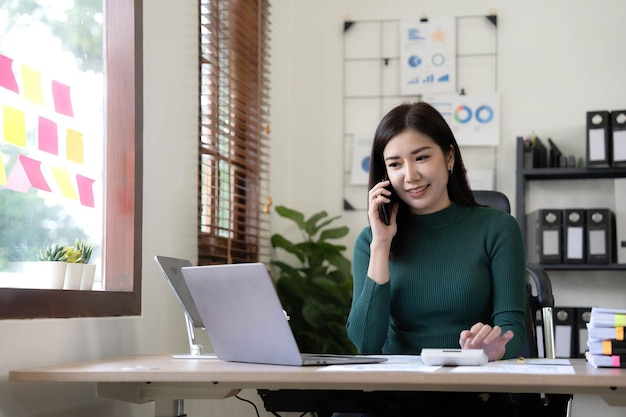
88,189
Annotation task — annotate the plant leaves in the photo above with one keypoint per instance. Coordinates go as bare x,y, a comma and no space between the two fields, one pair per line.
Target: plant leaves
279,241
336,233
294,215
317,292
311,228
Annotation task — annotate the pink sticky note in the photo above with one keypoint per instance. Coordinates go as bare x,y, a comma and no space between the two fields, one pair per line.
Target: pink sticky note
85,190
7,78
18,180
62,99
32,167
48,136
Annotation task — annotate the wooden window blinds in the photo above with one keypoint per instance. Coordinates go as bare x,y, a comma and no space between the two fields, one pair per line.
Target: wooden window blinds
234,127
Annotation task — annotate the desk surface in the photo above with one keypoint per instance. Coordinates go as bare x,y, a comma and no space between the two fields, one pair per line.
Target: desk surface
218,374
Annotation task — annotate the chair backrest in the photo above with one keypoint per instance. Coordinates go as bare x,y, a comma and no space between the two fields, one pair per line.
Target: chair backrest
539,290
494,199
539,310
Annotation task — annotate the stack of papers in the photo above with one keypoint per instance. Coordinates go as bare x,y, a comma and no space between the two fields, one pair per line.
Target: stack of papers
605,341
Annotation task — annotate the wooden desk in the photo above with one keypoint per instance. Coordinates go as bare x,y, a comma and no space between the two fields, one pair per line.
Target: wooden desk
140,379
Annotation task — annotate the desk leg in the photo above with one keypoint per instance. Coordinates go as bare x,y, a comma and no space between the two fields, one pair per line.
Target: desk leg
169,408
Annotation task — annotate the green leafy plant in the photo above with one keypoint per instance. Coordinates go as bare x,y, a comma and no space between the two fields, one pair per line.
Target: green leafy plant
54,253
82,251
317,291
79,253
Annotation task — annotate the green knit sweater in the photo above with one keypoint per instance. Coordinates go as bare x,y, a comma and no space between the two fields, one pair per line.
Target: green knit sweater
462,265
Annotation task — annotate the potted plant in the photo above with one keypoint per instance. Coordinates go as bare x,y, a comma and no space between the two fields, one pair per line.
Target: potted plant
316,290
89,270
78,267
74,271
51,268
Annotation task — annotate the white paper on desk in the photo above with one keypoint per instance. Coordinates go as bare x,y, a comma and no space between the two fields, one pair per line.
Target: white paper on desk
530,366
394,363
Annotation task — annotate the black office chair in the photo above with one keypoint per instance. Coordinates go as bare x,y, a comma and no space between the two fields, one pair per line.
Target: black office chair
539,316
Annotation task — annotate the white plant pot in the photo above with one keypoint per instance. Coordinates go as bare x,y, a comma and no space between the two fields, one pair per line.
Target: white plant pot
89,272
73,276
38,274
50,274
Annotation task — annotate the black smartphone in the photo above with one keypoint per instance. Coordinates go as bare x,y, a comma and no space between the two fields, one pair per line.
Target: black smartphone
384,210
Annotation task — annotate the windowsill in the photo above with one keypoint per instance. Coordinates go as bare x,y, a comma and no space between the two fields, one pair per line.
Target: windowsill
34,275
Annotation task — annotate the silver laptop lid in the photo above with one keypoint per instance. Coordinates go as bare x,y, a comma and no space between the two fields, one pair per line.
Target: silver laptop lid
171,269
242,314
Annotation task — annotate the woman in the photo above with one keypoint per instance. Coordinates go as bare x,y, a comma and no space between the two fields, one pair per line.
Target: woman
445,273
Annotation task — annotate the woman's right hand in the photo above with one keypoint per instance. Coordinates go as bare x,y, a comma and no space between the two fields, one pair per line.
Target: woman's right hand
378,196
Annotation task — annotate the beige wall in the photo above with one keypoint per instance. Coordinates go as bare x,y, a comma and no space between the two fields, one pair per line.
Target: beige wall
558,59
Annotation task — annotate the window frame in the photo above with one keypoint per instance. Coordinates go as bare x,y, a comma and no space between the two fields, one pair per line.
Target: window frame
121,269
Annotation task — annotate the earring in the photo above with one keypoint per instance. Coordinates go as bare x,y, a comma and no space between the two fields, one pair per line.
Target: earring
451,170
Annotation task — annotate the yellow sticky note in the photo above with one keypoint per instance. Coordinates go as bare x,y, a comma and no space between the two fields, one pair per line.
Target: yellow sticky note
74,144
31,81
62,177
14,126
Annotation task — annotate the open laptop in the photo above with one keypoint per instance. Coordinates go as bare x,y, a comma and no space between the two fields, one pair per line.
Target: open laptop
171,269
244,319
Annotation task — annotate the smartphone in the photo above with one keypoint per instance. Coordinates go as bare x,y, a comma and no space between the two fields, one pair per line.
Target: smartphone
384,210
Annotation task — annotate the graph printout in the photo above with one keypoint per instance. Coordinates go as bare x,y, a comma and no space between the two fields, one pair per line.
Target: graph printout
427,56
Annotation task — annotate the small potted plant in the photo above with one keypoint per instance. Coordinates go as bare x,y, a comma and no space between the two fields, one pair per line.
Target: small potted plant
52,267
74,272
89,270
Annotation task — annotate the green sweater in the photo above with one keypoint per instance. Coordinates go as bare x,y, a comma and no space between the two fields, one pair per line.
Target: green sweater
463,265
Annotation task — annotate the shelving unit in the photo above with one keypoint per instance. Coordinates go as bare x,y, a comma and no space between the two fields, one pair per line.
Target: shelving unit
523,176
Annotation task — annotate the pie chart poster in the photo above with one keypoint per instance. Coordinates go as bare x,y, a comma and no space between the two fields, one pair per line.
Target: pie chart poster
427,56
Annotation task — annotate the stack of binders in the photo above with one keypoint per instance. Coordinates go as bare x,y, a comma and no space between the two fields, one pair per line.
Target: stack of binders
605,343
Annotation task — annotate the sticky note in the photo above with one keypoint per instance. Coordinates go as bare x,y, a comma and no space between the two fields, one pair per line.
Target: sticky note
63,180
31,81
7,78
62,98
74,146
32,167
14,126
47,135
85,190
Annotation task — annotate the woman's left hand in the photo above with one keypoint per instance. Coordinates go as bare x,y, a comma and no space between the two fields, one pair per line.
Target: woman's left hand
490,339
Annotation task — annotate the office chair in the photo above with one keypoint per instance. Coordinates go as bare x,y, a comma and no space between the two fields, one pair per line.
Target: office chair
539,316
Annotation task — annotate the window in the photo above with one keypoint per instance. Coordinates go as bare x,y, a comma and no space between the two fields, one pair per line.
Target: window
234,110
122,193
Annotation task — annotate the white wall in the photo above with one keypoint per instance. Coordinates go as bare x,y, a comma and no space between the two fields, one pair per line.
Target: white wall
558,59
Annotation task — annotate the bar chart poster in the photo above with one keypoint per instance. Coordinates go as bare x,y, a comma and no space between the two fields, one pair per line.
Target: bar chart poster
427,56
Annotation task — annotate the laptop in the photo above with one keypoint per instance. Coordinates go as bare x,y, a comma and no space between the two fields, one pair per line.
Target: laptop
244,319
171,269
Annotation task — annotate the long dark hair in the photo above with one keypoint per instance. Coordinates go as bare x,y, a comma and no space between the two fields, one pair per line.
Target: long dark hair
425,119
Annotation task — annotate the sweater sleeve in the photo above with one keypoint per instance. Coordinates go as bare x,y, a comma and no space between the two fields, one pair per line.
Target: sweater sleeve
508,269
368,321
